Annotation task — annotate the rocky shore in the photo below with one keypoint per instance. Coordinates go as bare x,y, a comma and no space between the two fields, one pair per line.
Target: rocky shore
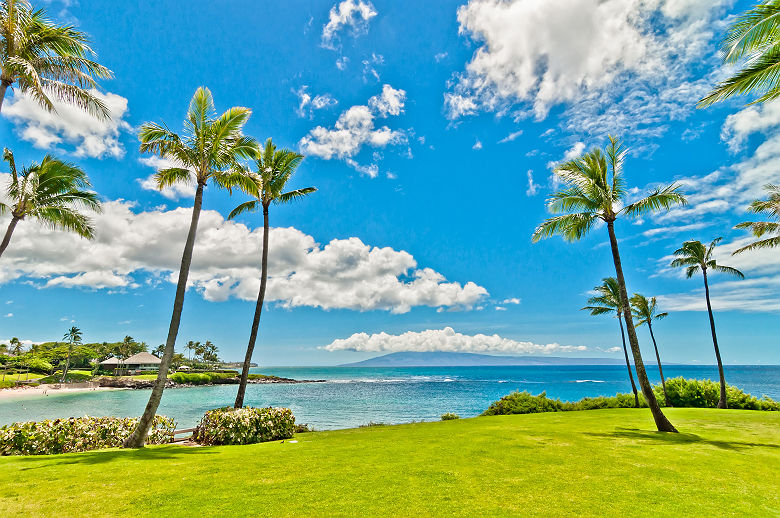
128,383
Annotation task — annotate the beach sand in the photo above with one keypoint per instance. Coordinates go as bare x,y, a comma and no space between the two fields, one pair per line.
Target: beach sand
46,390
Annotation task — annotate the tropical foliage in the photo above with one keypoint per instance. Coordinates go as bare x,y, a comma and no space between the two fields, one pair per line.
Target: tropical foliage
695,257
51,193
246,425
77,434
760,229
594,189
274,167
753,40
47,61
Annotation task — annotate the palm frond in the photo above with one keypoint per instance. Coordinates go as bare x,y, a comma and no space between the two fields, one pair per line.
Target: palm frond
728,270
247,206
571,227
172,176
660,199
287,197
771,242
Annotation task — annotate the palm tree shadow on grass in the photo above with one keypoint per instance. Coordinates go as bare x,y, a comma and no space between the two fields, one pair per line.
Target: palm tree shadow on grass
106,456
678,438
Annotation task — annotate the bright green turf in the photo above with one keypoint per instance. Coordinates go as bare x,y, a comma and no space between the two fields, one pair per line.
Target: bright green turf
591,463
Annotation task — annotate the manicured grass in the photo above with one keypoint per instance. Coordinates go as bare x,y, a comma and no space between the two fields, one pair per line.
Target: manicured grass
591,463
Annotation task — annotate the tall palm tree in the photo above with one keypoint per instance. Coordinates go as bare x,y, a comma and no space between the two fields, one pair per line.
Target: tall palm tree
16,346
595,190
47,60
753,39
770,206
606,302
209,149
274,169
645,312
73,337
51,193
694,256
191,346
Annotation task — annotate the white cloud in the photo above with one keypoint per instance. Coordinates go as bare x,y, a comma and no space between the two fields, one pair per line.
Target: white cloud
307,104
533,187
573,152
355,128
477,145
133,248
675,229
371,66
174,192
342,63
512,136
444,340
9,315
69,125
500,308
750,120
440,56
512,300
354,14
608,60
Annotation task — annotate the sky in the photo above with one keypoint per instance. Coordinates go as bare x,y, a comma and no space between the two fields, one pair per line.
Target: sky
431,130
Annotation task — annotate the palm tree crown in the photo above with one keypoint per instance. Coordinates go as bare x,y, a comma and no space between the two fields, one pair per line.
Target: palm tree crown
770,206
73,336
208,149
51,192
595,189
754,39
607,300
645,310
47,60
694,256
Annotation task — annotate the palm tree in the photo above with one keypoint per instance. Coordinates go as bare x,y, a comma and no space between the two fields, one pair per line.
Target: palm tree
209,150
73,337
16,346
47,60
51,193
759,229
608,301
594,186
274,169
753,38
645,312
191,346
694,256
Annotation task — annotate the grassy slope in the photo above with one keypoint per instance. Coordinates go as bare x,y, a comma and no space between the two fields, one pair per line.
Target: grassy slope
602,462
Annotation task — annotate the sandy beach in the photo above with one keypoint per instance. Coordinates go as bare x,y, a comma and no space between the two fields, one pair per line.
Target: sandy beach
47,390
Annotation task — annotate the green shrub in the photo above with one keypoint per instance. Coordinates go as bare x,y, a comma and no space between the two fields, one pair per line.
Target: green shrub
706,394
371,424
303,428
201,378
77,434
524,403
7,384
38,365
246,425
449,416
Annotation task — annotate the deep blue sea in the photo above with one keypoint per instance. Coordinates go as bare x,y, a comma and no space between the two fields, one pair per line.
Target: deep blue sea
355,396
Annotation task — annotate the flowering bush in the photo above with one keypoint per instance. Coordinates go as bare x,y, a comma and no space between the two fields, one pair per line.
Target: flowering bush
244,425
449,416
77,434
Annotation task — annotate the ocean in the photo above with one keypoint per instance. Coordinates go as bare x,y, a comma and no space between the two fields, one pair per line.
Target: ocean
353,396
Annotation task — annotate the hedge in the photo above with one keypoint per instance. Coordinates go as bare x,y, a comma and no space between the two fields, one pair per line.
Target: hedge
77,434
246,425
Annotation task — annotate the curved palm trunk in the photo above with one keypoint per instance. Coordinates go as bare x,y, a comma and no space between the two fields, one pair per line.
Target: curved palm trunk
628,363
67,364
660,368
3,87
661,422
138,437
722,403
9,231
258,310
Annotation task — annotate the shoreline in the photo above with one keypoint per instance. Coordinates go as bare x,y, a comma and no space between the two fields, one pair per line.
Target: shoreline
48,390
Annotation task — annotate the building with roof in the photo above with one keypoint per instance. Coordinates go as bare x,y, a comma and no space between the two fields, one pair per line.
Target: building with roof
137,363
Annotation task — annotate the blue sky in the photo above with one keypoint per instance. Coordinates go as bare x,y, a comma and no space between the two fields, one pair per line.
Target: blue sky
431,130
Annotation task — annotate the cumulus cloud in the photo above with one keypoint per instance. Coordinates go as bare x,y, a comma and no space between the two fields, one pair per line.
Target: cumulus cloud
308,104
512,300
609,60
173,192
747,121
70,127
145,247
446,340
356,128
353,14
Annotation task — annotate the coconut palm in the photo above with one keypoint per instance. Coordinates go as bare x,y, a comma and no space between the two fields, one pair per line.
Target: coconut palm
770,206
694,256
51,193
753,39
47,61
16,346
73,337
208,150
595,191
645,311
607,302
274,169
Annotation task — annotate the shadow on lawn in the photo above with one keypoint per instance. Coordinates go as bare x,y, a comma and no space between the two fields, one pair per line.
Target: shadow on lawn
105,456
679,438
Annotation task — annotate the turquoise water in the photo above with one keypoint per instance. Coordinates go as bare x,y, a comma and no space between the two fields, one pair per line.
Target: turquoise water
355,396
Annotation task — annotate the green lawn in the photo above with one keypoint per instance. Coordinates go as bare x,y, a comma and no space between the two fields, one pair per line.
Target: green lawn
591,463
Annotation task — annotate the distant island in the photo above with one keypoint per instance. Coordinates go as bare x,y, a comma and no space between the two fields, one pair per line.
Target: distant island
448,359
